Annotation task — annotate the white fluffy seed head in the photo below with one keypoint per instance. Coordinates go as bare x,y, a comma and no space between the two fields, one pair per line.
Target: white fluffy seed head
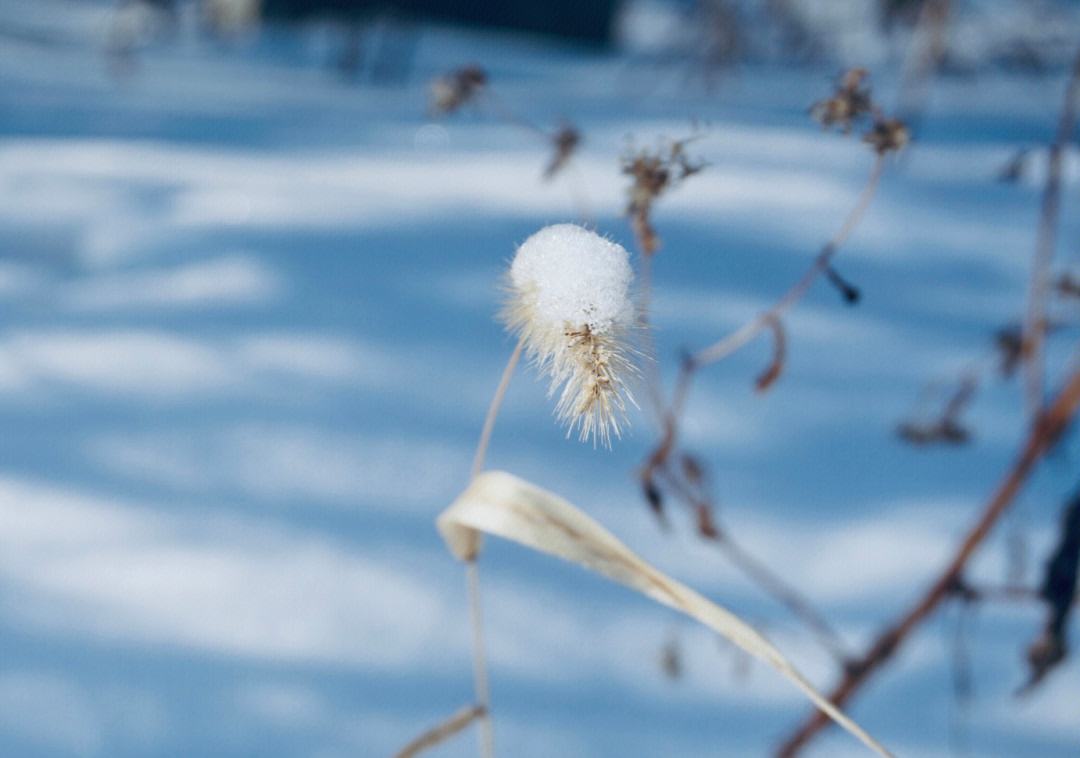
570,300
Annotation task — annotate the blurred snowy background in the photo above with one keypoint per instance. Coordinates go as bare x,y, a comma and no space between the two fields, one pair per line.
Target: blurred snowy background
247,338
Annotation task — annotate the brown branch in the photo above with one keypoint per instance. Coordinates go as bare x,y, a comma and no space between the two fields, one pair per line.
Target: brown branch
1044,432
442,731
1035,322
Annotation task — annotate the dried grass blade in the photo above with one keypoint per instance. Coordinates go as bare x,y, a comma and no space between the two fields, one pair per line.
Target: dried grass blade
503,505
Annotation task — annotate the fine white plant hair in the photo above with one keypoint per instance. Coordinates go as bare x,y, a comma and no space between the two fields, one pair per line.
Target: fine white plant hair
570,303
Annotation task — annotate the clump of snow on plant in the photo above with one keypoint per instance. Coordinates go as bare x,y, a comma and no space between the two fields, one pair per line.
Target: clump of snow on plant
571,304
575,276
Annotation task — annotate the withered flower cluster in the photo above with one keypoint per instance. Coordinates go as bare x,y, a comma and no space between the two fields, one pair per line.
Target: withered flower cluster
653,174
851,104
887,135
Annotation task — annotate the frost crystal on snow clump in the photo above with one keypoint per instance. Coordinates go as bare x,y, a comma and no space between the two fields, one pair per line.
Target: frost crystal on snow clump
570,302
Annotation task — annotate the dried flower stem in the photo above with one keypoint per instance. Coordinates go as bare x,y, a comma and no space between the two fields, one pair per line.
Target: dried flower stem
767,580
486,734
1045,430
651,368
923,59
441,732
746,333
1035,322
472,571
481,710
775,586
493,410
657,462
507,114
752,329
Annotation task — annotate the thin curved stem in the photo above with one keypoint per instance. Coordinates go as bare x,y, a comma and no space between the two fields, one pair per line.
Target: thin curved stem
480,711
740,337
768,581
1034,332
486,733
778,588
653,382
504,112
748,331
441,732
929,40
493,411
472,571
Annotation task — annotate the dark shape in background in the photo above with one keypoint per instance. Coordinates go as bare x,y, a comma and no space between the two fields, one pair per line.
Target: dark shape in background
589,22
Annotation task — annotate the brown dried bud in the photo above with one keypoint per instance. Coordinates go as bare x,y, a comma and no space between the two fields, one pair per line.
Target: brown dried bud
653,174
671,660
705,525
565,141
887,135
451,91
849,103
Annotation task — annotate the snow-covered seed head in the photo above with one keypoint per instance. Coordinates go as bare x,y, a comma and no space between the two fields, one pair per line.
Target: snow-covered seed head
570,302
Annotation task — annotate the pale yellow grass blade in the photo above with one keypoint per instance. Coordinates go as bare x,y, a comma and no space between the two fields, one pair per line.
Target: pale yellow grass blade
501,504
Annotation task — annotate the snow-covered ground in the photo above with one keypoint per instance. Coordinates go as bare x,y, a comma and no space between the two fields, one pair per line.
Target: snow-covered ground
247,339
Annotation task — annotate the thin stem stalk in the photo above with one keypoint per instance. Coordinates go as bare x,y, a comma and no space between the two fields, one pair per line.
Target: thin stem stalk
1035,322
740,337
493,411
472,571
486,733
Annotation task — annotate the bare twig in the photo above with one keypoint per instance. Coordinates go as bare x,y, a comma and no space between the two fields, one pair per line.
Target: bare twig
441,732
737,339
946,427
1045,430
653,174
653,381
656,465
1035,321
486,734
789,597
481,710
925,56
750,330
493,410
480,678
756,570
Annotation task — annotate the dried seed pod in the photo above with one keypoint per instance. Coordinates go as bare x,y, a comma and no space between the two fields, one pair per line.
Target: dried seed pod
887,135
